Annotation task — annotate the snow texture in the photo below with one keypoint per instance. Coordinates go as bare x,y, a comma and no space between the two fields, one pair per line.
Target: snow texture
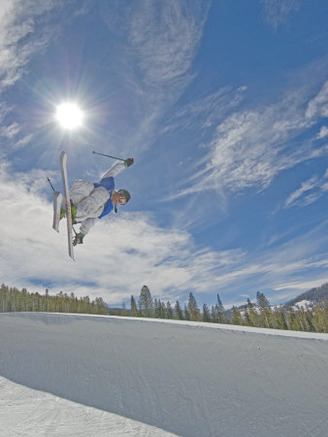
29,413
64,375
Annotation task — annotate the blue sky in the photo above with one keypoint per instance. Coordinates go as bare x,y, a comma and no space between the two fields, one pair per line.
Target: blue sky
223,106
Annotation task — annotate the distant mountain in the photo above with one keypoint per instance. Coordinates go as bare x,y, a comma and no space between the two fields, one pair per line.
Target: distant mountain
315,296
118,311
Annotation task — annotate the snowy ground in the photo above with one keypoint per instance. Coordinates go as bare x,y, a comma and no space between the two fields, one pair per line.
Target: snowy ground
65,375
30,413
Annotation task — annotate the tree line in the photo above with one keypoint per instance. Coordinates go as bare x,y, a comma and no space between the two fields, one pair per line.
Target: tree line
12,299
146,306
260,314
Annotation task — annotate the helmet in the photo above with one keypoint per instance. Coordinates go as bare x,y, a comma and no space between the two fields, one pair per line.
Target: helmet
125,195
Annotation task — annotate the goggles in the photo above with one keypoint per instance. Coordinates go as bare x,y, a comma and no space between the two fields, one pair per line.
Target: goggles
124,196
123,199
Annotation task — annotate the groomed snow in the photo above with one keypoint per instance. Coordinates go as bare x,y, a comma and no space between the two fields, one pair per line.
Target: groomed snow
65,375
30,413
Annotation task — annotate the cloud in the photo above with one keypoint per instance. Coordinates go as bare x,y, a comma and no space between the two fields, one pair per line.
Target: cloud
165,37
10,131
318,106
19,37
278,11
244,148
26,30
282,271
161,38
323,133
309,192
249,148
204,112
122,253
157,44
119,256
305,187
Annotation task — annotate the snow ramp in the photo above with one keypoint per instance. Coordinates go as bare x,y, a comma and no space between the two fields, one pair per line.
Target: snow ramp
192,380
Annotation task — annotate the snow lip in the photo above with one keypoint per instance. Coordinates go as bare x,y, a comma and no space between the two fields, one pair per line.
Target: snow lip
196,325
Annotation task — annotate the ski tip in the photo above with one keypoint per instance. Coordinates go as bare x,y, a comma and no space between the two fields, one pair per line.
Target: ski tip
63,156
71,254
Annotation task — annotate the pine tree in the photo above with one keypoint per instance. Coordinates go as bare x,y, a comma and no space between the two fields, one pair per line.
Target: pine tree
186,313
100,306
262,301
265,310
134,310
320,319
206,317
221,314
163,311
309,316
156,309
280,318
236,316
169,310
251,314
145,302
178,314
193,308
159,309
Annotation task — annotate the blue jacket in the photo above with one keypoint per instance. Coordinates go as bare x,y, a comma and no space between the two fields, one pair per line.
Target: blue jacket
109,184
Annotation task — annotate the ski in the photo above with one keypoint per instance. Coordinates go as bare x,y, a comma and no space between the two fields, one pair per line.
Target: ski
63,167
57,198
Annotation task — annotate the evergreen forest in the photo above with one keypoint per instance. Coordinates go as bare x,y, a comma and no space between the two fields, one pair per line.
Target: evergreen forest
311,318
260,314
12,299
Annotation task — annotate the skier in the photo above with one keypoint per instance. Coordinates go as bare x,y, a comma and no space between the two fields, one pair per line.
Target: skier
92,201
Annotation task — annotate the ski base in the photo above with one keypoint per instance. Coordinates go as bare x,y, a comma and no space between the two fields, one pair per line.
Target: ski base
57,198
63,166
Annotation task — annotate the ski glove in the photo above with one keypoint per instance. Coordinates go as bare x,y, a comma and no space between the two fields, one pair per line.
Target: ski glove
128,162
78,239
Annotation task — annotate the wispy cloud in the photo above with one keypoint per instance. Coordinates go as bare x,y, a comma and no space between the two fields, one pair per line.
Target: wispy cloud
10,131
309,191
161,38
205,112
250,147
26,30
284,271
318,106
19,39
165,37
277,11
323,133
159,43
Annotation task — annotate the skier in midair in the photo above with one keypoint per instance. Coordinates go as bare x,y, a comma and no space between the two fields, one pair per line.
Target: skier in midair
92,201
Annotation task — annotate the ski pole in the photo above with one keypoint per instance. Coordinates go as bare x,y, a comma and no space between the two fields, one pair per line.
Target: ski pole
48,179
108,156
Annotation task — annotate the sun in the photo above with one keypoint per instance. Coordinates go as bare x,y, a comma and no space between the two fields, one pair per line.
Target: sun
69,115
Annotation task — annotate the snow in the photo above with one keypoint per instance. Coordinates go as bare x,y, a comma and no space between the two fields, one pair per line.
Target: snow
302,304
64,375
29,413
